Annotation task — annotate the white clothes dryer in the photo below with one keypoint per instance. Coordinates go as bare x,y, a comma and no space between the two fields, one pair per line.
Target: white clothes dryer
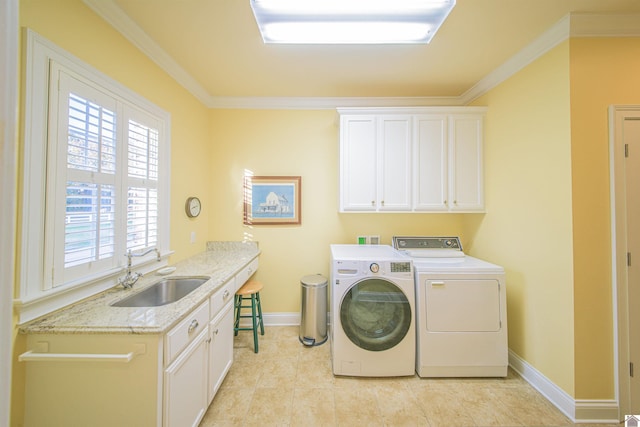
372,311
461,310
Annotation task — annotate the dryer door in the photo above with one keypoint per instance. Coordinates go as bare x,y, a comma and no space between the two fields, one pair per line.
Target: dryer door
375,314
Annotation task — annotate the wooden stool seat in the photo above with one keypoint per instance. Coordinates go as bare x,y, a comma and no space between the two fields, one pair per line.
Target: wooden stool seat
251,287
249,291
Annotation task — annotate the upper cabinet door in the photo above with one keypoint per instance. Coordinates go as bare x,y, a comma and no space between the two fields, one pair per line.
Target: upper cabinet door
422,159
466,177
358,163
430,162
394,158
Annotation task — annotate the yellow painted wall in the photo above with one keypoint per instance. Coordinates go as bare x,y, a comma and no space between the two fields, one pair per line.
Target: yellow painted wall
547,195
76,29
603,72
546,172
306,144
528,225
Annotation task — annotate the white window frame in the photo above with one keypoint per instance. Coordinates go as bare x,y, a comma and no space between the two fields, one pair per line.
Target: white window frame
35,297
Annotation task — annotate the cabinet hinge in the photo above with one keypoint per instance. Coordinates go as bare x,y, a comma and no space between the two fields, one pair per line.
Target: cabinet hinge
629,259
631,369
626,150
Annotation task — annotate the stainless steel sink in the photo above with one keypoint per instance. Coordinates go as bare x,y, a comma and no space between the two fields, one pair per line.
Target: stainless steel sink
163,292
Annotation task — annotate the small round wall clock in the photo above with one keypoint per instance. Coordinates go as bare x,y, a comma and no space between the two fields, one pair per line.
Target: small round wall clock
193,207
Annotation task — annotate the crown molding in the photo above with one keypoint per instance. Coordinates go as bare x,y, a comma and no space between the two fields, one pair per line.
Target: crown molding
572,25
115,16
326,103
534,50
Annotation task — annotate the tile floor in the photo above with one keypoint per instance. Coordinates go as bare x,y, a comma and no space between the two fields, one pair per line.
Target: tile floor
287,384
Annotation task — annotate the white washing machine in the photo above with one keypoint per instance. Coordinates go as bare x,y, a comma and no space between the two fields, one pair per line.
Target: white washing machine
461,310
372,311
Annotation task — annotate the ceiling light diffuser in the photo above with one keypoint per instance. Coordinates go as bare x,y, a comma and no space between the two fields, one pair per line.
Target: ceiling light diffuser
350,21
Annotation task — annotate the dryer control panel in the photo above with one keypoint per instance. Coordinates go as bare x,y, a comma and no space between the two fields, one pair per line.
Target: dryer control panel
418,242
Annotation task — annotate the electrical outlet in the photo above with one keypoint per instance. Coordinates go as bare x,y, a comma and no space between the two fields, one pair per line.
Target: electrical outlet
374,240
362,240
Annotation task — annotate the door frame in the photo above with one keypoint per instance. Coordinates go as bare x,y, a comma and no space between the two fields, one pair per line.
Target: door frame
8,180
617,116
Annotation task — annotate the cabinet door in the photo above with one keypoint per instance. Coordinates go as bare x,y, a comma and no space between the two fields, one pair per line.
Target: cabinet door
430,163
358,163
220,348
394,160
466,177
186,385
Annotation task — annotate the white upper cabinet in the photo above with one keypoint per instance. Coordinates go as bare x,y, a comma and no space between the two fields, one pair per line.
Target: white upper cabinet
426,159
358,163
430,163
394,160
376,163
465,160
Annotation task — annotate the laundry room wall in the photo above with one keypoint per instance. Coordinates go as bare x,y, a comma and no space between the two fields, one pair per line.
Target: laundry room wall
300,143
548,220
528,225
72,26
604,71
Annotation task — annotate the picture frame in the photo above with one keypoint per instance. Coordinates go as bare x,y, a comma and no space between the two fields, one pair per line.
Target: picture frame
272,200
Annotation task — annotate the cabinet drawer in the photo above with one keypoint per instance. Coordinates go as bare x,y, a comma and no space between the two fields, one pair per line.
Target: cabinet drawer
221,297
183,333
245,273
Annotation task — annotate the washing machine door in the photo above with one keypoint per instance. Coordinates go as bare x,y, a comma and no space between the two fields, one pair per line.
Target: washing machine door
375,314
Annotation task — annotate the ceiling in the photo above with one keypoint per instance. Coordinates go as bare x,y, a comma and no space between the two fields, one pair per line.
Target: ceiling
213,47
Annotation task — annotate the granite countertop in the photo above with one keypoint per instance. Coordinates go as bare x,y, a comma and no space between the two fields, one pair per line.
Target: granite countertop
221,261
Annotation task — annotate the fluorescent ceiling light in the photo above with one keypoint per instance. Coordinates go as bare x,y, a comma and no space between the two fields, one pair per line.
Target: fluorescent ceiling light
350,21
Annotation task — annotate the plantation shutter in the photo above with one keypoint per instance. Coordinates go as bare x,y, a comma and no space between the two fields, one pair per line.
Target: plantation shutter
102,185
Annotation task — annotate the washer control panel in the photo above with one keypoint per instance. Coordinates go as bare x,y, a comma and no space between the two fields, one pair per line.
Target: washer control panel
401,267
372,268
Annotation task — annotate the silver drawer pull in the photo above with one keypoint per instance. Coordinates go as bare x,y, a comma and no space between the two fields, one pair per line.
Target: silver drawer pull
194,324
225,295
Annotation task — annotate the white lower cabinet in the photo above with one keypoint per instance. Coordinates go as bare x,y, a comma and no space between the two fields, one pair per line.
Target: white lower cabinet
127,379
186,398
142,380
220,349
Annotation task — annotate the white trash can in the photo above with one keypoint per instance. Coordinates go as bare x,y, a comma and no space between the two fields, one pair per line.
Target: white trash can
313,314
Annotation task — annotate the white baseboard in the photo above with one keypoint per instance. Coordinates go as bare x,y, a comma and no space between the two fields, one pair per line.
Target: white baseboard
577,410
281,319
275,319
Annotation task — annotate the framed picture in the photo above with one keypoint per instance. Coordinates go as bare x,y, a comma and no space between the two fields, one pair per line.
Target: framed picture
272,200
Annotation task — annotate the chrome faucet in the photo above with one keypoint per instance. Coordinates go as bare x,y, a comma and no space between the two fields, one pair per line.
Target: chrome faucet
131,278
